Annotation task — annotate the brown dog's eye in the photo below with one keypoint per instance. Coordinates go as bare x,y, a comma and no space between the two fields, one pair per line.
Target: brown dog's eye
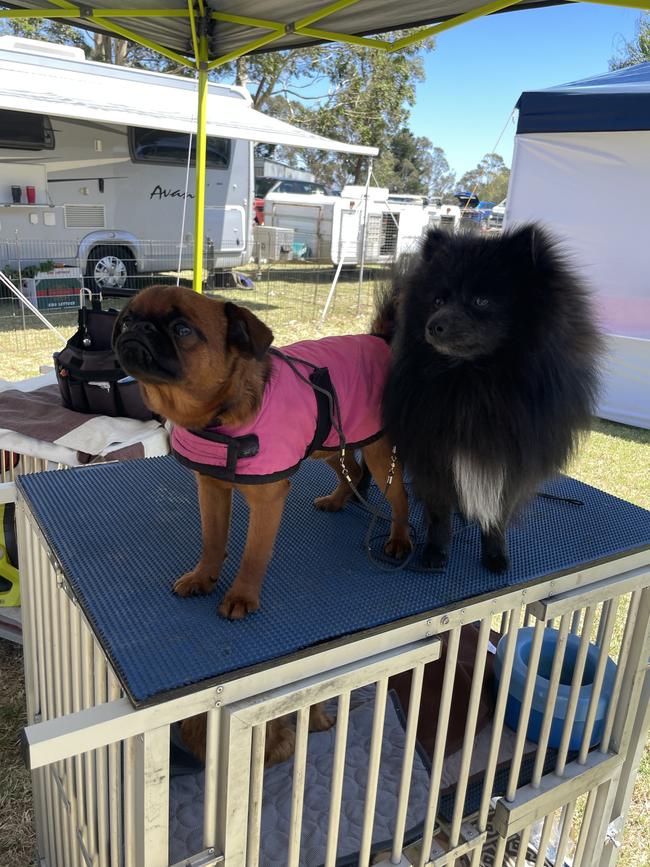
481,302
182,329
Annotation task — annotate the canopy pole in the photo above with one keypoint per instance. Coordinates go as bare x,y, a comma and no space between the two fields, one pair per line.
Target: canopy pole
200,162
364,236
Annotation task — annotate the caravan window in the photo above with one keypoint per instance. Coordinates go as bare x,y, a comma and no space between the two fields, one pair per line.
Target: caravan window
161,146
24,131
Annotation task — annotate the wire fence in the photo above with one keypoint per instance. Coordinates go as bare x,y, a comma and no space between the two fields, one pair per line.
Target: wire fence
296,297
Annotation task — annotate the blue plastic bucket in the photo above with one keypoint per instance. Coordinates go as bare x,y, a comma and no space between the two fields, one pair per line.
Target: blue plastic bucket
540,694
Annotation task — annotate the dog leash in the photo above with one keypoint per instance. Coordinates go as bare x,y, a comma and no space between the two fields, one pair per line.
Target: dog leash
337,424
335,415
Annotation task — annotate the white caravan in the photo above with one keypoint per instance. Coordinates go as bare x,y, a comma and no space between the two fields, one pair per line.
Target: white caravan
94,165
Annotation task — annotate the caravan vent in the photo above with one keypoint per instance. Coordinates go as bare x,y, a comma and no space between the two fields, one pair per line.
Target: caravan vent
84,217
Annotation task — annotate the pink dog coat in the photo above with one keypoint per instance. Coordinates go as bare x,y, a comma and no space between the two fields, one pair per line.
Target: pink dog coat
295,420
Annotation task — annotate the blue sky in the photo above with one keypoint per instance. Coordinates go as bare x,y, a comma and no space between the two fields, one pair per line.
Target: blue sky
478,70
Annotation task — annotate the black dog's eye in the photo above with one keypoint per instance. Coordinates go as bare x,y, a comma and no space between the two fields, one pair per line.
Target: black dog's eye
439,302
182,329
126,323
481,302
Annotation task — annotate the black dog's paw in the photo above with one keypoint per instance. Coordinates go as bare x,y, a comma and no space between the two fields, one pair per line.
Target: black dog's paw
495,561
434,557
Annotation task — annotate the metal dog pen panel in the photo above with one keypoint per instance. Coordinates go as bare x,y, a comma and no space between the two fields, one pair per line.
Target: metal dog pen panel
101,769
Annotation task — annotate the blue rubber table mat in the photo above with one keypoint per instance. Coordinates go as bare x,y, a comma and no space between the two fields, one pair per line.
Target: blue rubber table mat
124,532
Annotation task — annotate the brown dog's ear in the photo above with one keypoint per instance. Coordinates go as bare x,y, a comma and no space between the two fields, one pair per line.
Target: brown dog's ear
246,333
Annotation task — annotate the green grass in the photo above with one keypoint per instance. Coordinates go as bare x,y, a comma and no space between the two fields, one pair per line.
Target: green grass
614,458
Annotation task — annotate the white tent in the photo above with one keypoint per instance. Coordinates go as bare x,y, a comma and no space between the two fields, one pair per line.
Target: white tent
581,166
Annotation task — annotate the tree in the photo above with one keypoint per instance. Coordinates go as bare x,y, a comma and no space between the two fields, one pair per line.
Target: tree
369,93
443,178
408,166
413,165
636,50
489,180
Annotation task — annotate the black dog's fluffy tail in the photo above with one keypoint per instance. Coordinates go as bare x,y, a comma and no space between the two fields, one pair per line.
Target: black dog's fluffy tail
388,298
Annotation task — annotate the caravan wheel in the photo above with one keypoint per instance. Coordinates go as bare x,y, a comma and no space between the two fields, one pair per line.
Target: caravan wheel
109,270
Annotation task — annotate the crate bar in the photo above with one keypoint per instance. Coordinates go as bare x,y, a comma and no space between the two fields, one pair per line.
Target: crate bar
374,760
621,665
256,797
601,591
28,605
575,621
470,731
50,709
338,768
622,789
89,757
603,618
62,603
596,832
417,676
574,693
129,804
77,703
114,784
234,793
584,827
500,850
213,720
530,805
629,735
544,840
57,770
439,746
566,822
497,721
609,619
633,676
151,774
101,759
554,682
298,790
524,837
34,673
524,713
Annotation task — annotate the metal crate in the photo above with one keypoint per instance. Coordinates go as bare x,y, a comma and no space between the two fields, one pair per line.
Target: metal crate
101,767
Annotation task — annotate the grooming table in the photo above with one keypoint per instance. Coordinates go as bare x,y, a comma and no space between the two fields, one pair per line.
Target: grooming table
124,532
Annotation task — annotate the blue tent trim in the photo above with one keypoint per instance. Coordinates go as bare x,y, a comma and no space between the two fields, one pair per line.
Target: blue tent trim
616,101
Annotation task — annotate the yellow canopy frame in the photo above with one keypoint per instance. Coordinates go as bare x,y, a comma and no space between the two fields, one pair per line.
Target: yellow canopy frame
199,16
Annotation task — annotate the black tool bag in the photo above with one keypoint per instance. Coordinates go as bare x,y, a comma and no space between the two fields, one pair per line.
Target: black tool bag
88,373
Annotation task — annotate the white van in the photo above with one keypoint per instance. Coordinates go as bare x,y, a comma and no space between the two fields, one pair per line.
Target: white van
94,165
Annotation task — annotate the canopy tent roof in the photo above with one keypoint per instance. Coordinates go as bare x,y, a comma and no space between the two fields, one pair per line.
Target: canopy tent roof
236,27
613,102
97,92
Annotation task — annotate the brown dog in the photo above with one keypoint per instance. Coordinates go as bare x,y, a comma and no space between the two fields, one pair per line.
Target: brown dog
206,364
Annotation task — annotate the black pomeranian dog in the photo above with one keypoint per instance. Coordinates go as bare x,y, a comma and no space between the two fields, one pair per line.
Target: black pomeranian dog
494,377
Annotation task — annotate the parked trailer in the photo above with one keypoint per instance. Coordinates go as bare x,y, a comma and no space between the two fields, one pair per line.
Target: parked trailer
94,160
335,228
